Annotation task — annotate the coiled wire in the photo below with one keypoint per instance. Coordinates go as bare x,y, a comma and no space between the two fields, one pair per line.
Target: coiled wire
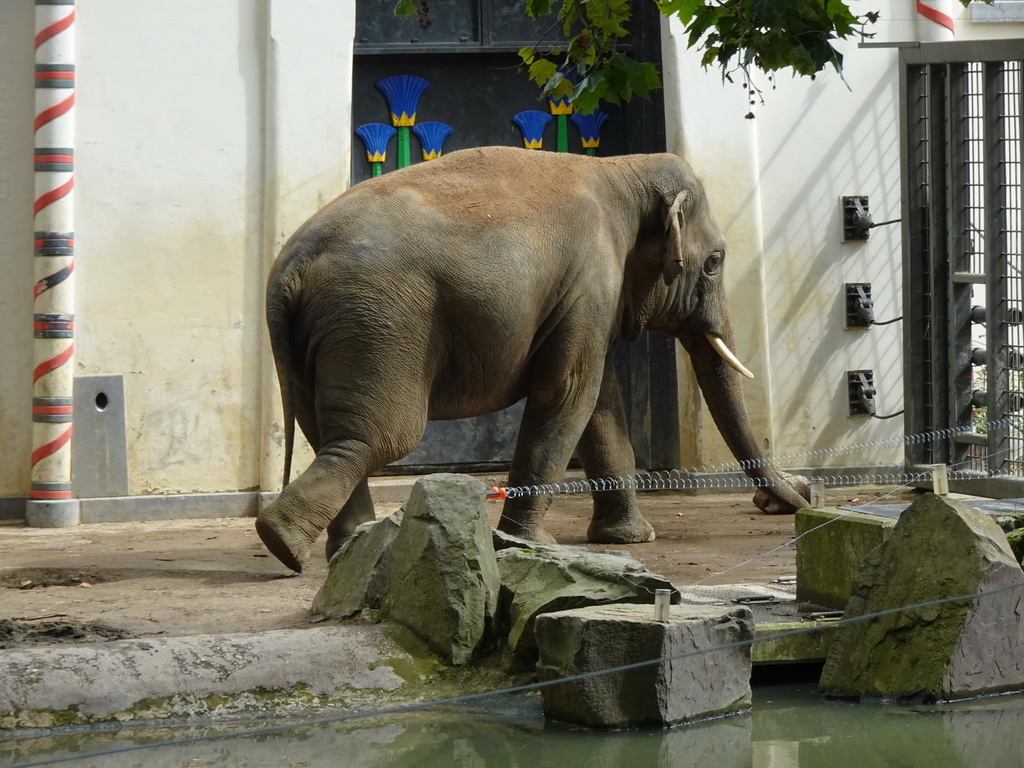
730,476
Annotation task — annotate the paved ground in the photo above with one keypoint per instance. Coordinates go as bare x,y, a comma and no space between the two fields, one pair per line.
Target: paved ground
172,578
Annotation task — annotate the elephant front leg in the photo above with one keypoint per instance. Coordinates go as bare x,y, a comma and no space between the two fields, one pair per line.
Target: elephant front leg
606,452
357,510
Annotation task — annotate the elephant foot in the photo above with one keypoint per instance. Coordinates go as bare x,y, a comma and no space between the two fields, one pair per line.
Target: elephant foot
771,504
289,546
632,531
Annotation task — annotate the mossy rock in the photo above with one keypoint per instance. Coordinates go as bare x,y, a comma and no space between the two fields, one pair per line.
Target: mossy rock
1016,541
939,651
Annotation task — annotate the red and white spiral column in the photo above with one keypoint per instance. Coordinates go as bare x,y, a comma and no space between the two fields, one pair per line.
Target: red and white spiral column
50,502
934,20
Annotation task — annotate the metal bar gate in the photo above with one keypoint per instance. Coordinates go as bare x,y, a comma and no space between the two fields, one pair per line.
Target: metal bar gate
963,295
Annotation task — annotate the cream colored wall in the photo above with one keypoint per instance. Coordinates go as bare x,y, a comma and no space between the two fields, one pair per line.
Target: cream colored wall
206,133
775,184
17,107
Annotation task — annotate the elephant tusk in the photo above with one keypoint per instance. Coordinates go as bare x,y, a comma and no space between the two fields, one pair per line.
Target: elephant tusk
726,354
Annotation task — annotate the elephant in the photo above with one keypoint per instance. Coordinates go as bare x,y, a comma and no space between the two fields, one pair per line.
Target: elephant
460,286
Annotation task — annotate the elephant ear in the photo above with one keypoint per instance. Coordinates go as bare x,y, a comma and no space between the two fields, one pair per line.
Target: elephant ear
672,261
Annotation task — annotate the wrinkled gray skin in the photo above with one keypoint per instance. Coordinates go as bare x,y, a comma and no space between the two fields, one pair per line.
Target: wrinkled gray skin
460,286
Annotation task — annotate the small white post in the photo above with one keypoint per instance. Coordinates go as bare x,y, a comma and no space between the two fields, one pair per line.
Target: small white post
817,494
662,604
940,480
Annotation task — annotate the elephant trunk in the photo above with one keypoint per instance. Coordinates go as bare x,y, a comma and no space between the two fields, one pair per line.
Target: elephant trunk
720,384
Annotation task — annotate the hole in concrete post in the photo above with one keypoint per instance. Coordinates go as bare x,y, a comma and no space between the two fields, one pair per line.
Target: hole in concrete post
101,401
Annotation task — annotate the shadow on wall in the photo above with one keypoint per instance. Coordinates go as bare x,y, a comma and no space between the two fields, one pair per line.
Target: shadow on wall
806,263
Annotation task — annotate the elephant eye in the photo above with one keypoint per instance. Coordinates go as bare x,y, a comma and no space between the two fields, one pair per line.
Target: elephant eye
713,263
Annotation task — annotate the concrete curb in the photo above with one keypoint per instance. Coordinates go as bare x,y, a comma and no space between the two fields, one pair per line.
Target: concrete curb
119,509
200,675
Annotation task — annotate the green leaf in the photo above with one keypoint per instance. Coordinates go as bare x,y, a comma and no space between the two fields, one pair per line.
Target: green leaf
684,9
769,35
541,71
538,8
406,8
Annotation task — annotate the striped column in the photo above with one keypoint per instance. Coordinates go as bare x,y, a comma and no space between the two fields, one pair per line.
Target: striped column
934,20
50,503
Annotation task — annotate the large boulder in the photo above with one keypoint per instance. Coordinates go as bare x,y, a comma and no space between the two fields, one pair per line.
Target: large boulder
703,672
442,576
545,579
939,548
355,575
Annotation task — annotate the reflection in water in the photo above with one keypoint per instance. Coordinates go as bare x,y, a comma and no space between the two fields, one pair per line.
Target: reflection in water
789,728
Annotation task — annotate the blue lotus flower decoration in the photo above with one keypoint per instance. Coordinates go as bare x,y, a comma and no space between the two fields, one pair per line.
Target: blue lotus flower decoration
532,123
432,136
403,94
375,137
562,105
589,127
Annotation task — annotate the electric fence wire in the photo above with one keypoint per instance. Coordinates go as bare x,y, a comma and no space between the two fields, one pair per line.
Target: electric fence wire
469,698
729,476
908,481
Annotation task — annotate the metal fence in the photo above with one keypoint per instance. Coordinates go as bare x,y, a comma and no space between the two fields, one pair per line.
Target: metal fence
962,256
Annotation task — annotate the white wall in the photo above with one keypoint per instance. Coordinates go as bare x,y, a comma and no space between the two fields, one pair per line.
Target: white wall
775,183
170,183
17,108
206,133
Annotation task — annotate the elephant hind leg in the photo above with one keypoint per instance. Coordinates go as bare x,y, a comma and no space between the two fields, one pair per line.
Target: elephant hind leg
290,525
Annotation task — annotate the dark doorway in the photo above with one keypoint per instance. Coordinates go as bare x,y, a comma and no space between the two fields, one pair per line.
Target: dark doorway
468,55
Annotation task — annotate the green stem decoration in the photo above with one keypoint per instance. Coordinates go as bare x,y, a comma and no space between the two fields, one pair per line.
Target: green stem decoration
404,154
563,134
375,170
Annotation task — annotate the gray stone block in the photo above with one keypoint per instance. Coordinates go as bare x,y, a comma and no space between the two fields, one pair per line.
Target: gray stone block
442,575
357,572
546,579
693,682
940,548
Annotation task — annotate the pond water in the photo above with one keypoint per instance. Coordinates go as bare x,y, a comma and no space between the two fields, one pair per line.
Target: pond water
789,727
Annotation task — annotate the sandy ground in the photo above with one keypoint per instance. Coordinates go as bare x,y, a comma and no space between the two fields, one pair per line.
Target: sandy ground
186,577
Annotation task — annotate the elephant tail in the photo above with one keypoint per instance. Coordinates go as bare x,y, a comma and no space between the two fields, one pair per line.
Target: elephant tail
289,425
279,318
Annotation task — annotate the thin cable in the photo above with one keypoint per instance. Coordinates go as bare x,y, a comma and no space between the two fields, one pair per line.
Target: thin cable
525,688
890,416
844,512
887,322
790,542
